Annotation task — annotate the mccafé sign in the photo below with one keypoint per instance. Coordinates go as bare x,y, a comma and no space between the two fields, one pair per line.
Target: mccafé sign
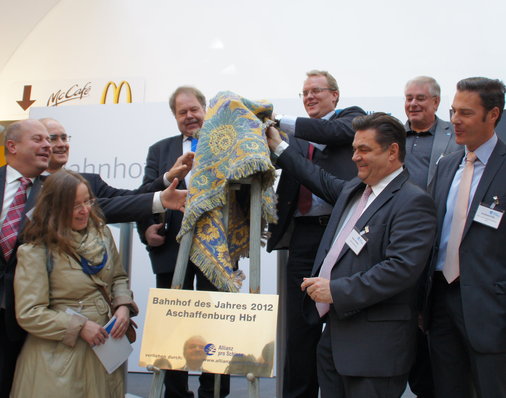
117,92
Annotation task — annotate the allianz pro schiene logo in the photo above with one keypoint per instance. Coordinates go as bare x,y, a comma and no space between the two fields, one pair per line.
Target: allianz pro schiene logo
116,90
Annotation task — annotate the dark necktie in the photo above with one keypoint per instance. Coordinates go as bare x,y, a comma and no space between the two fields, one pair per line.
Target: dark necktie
10,226
305,196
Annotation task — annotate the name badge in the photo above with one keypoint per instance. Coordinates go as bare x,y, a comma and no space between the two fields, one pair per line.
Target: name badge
488,216
356,241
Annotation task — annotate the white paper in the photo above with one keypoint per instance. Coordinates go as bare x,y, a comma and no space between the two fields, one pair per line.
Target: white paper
113,352
355,241
489,217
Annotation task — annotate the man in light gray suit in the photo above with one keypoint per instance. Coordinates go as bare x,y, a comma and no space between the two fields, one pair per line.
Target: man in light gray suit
365,288
428,138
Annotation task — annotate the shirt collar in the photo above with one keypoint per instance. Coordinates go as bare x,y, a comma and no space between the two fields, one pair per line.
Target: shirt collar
186,138
13,175
484,151
430,131
382,184
329,115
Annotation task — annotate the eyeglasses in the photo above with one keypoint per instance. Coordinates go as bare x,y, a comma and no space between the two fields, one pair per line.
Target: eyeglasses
89,203
314,91
418,98
63,137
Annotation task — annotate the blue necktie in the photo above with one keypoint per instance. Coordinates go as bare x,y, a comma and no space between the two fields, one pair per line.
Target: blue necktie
194,143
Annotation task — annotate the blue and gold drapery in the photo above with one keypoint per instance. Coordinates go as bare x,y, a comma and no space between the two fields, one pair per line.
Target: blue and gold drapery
231,147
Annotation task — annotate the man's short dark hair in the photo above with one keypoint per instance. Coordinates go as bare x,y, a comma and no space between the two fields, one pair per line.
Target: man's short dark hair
491,92
187,90
388,129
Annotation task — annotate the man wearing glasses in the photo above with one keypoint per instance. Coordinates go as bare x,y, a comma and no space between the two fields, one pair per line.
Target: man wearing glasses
325,138
428,138
118,205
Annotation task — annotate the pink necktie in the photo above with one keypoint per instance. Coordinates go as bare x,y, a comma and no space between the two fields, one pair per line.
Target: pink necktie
10,227
451,267
335,250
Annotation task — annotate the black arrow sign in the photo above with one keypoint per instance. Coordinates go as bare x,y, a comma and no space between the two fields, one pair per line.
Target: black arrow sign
26,102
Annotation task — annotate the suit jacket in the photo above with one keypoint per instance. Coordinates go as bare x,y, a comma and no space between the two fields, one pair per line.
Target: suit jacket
7,268
443,144
123,205
482,260
338,135
372,319
161,157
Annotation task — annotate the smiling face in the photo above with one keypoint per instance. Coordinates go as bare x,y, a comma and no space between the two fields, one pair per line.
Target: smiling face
473,124
420,106
29,151
81,212
373,161
60,146
189,113
194,353
318,105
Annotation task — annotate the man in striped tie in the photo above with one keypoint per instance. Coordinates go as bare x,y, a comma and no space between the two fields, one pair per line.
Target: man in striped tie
373,251
27,151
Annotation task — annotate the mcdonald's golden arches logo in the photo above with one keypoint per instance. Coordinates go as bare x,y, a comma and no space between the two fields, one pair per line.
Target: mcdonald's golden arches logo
117,92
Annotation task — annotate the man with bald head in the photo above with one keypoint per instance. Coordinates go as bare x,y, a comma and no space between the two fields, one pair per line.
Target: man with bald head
27,151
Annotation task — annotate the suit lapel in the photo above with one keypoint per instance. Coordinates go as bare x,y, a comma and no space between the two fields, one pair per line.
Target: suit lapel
177,150
442,137
347,193
3,177
494,163
377,204
446,174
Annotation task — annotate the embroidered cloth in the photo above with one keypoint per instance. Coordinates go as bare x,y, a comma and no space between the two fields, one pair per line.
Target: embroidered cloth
232,146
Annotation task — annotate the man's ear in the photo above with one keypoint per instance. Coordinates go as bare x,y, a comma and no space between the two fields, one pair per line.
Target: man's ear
394,151
10,145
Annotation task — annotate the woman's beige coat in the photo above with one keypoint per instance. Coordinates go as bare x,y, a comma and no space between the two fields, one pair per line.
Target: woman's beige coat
55,361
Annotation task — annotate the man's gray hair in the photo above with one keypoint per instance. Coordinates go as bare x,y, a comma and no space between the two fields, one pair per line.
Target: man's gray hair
433,85
187,90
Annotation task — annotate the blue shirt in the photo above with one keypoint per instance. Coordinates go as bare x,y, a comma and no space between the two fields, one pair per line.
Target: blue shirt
482,155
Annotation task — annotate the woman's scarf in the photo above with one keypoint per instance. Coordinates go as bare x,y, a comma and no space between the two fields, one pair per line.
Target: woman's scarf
90,248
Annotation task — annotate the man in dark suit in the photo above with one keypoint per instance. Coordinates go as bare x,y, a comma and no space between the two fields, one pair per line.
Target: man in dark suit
27,152
159,234
374,249
466,305
326,136
119,205
428,140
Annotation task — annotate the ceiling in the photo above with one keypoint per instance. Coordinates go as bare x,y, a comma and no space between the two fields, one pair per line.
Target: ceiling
18,20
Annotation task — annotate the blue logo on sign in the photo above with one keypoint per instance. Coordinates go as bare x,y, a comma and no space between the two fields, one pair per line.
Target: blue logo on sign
210,349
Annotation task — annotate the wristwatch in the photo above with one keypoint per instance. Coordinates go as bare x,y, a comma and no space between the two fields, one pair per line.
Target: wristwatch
277,120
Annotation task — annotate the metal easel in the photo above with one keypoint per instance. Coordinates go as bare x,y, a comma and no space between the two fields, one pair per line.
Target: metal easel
254,284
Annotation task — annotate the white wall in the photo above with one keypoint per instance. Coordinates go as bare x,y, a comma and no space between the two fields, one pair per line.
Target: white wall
261,50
